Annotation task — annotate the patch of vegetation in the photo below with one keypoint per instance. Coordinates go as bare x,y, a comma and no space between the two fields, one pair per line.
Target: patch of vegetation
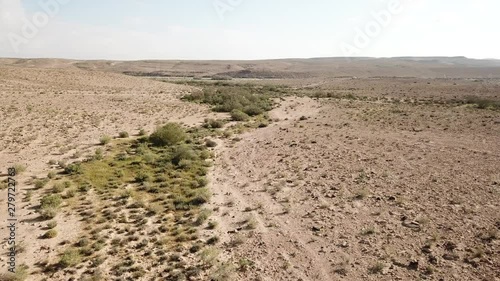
19,168
69,258
238,115
105,140
41,183
483,103
50,234
213,124
168,135
21,274
52,224
123,135
251,100
137,183
376,268
49,206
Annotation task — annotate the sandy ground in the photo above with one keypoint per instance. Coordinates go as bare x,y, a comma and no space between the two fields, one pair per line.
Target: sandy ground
410,189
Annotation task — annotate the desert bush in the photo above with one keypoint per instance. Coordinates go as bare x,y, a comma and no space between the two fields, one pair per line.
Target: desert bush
98,155
123,135
376,268
183,152
213,124
51,175
41,183
201,196
48,213
253,110
226,98
142,132
209,256
483,103
70,258
105,140
202,217
51,201
238,115
142,177
21,274
51,224
50,234
168,135
19,168
73,169
210,143
58,188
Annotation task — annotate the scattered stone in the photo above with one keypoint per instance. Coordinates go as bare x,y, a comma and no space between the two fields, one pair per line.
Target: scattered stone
451,257
413,265
412,224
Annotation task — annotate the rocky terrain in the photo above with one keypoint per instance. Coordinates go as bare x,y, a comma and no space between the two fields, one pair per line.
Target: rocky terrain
346,178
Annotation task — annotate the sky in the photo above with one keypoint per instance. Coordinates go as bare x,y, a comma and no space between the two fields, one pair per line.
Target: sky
247,29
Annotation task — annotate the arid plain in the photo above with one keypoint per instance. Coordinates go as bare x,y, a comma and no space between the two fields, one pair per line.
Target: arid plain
322,169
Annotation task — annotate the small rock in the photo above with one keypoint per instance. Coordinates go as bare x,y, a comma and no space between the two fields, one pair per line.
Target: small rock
413,265
412,224
450,257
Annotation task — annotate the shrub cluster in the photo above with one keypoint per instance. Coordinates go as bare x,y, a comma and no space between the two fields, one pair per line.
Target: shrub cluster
168,135
248,100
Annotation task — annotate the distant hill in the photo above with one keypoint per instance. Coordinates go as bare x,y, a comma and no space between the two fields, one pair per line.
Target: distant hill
421,67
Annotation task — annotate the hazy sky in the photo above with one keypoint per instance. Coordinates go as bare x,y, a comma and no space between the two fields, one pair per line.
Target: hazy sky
248,29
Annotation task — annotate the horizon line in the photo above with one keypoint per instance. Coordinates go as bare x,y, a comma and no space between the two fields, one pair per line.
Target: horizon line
264,59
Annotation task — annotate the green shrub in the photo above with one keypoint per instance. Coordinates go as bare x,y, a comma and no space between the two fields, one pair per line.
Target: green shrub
41,183
73,169
213,124
238,115
483,103
105,140
226,98
50,234
201,197
51,175
20,275
51,201
70,258
168,135
142,176
48,213
99,154
19,168
52,224
123,135
253,110
70,193
58,188
142,132
183,152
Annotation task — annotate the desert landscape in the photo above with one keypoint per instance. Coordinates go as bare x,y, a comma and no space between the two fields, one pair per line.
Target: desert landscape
295,169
